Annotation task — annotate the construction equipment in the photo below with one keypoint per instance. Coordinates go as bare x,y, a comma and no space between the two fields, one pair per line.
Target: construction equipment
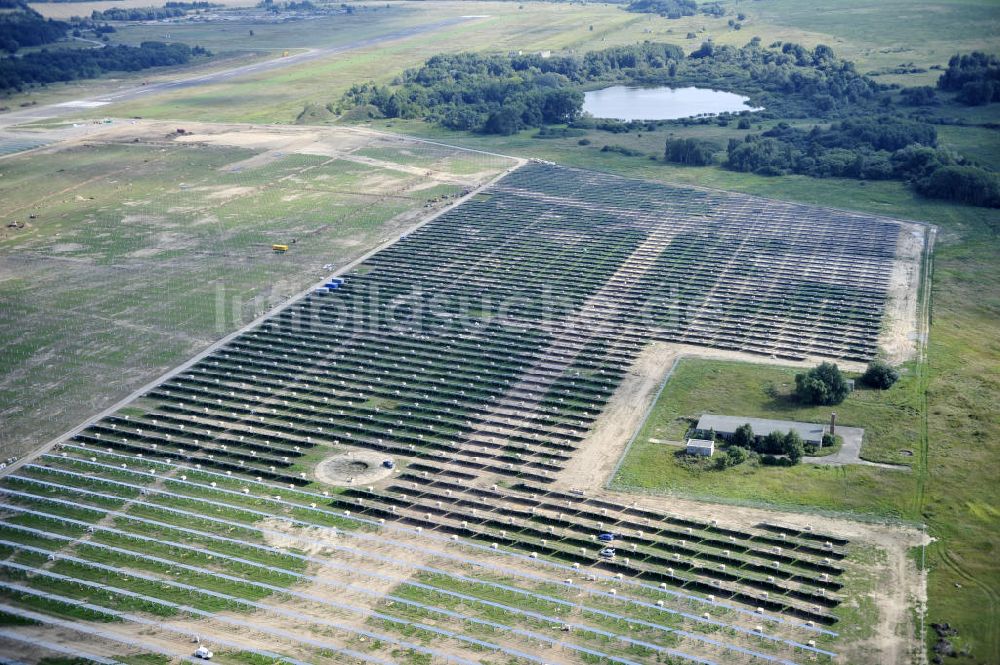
280,249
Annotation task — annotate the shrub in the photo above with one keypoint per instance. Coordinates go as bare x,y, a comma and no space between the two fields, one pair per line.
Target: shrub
879,374
622,150
793,446
822,385
737,455
772,444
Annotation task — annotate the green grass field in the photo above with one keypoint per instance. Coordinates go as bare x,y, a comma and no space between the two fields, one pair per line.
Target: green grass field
764,391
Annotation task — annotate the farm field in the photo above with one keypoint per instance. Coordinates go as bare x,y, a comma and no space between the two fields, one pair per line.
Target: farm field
476,353
139,247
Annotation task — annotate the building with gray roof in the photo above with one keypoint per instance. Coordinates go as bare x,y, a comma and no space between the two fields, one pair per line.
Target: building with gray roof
725,426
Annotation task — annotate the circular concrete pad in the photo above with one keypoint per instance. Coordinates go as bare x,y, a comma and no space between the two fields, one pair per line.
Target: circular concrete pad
355,467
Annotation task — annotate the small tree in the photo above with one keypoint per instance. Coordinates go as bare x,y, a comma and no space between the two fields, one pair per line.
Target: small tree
879,374
823,384
743,436
793,446
772,444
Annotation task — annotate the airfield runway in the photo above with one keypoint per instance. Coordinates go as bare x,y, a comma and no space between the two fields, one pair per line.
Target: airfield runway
57,110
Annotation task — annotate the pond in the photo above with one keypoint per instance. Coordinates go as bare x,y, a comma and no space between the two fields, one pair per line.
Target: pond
629,103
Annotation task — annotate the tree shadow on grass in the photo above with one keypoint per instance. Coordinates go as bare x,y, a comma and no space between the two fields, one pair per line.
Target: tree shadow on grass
780,401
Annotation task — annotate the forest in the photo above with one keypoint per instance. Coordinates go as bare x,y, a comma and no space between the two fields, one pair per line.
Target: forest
22,26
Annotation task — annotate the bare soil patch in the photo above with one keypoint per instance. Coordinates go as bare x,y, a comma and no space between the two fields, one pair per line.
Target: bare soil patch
594,461
899,337
354,467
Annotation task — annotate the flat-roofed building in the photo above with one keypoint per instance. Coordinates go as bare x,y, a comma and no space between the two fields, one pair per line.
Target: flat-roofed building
702,447
725,426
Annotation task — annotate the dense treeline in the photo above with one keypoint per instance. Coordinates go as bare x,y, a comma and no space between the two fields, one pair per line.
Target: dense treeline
974,76
23,26
53,66
859,148
667,8
962,183
136,13
875,148
303,6
169,10
197,4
